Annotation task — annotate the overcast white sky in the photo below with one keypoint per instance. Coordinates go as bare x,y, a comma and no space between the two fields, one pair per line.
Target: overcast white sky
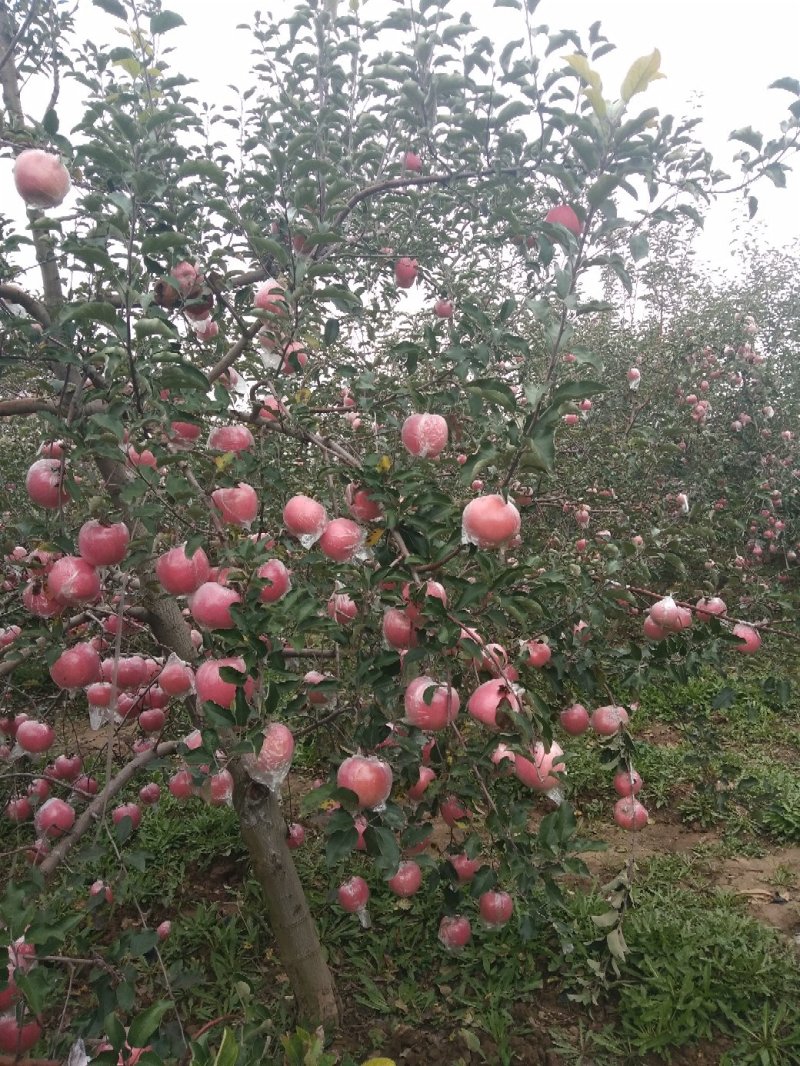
719,57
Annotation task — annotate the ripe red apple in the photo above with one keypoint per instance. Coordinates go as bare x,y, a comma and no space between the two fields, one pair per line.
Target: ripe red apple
103,545
316,696
627,782
100,888
608,720
275,755
405,272
278,581
152,720
453,811
179,574
465,867
341,608
341,539
35,737
440,709
234,438
76,667
750,639
455,932
41,178
443,308
149,794
669,615
73,582
305,519
45,485
18,809
539,654
127,810
353,895
185,433
412,162
539,772
706,608
424,435
630,814
398,629
652,631
54,818
361,505
408,879
491,699
181,784
211,687
417,790
237,505
489,522
495,908
211,605
163,929
271,297
574,720
18,1037
564,215
176,678
370,779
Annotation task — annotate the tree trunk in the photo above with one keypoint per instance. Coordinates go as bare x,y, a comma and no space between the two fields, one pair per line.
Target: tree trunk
264,832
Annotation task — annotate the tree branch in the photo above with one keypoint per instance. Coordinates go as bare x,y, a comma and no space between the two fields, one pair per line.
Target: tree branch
13,294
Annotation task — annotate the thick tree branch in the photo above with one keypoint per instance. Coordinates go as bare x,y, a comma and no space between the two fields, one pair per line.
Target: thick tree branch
15,295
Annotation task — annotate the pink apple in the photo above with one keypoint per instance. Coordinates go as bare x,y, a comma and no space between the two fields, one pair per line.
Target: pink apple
455,932
76,667
408,879
45,485
405,272
491,699
495,908
424,435
237,505
574,720
608,720
341,539
179,574
370,779
103,545
489,522
630,814
41,178
564,215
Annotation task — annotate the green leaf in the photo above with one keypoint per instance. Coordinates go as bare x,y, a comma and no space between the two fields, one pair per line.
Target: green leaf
492,391
145,1024
752,206
180,375
381,844
93,311
50,122
603,188
340,844
747,135
165,21
115,1032
576,390
643,71
776,172
228,1050
791,85
639,246
516,109
331,334
141,943
112,7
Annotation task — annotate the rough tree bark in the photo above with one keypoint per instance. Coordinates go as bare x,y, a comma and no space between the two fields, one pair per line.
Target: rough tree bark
264,832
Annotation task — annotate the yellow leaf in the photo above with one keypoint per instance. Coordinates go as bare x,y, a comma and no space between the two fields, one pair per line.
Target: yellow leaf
302,396
379,1062
384,464
597,102
222,462
642,72
374,537
580,64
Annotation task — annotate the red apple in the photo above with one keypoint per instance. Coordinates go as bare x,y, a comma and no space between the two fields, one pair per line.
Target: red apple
489,522
370,779
405,272
564,215
41,178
